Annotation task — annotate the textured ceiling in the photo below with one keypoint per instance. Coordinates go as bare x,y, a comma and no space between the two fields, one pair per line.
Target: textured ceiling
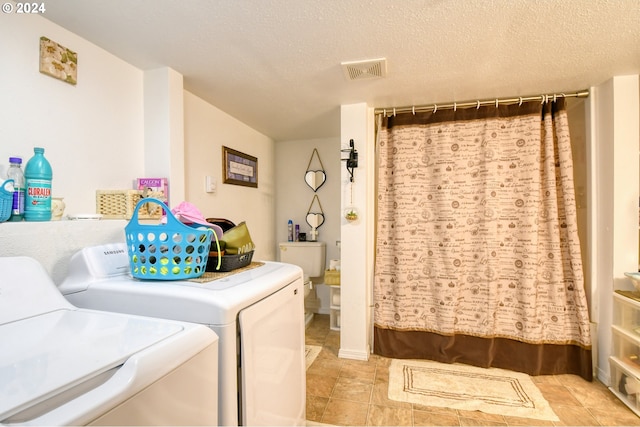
275,64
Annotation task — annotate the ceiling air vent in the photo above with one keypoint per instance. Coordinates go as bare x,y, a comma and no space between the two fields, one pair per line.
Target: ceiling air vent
368,69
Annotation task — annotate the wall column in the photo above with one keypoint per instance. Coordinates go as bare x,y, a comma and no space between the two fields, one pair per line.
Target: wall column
614,191
357,236
164,129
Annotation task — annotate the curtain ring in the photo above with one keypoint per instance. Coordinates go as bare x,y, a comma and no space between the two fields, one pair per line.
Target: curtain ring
478,104
554,98
496,102
394,112
542,96
413,110
384,112
520,102
435,108
455,107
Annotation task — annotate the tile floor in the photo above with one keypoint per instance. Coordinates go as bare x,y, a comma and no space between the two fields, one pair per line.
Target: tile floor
351,392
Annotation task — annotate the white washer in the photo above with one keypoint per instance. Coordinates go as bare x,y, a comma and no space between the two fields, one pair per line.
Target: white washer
257,315
60,365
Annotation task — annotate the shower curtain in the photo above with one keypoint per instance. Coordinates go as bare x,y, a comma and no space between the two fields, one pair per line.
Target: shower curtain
477,252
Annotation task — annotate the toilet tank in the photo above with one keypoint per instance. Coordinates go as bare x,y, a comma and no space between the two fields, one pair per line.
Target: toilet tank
310,256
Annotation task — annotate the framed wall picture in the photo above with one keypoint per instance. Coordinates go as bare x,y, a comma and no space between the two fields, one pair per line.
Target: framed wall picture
58,61
239,168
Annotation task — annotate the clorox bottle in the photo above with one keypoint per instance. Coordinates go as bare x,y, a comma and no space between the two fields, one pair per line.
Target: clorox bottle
38,175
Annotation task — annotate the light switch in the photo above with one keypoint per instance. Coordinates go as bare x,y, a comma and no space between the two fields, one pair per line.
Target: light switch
210,184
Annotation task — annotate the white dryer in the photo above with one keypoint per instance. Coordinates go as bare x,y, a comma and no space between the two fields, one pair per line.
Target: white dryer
60,365
257,315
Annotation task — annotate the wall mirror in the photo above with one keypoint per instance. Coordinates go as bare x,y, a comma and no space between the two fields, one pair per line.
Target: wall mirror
315,219
315,177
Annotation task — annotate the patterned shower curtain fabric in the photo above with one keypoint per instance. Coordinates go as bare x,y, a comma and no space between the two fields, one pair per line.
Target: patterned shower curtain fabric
477,253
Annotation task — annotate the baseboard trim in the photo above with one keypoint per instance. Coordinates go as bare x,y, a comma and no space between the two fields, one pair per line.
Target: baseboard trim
604,377
354,354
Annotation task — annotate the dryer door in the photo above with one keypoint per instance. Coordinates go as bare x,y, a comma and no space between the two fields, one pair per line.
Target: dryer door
272,367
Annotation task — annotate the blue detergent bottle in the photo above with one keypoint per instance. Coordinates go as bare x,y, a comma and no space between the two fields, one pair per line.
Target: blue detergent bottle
38,176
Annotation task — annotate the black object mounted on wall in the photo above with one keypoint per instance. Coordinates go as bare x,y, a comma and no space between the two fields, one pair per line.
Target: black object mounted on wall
352,160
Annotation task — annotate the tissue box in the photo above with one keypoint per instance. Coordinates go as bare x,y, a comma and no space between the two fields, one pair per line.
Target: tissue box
332,277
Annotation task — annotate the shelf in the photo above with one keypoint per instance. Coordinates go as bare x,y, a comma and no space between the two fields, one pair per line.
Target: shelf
620,371
334,308
626,313
632,334
626,349
625,352
334,320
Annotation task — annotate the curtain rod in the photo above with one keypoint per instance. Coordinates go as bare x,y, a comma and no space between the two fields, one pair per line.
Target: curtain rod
478,103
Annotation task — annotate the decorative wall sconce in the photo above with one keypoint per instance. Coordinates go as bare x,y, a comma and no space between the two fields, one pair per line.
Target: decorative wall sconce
352,160
351,212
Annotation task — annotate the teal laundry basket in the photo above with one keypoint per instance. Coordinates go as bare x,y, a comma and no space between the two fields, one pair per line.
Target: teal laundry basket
169,250
6,200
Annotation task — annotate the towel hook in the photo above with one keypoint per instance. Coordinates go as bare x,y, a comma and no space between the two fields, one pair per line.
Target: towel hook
520,102
435,108
478,104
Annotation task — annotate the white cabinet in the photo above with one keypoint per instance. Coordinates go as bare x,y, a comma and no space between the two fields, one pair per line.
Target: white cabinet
625,354
334,307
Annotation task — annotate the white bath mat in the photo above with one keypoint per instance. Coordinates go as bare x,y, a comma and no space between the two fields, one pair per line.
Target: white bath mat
310,354
494,391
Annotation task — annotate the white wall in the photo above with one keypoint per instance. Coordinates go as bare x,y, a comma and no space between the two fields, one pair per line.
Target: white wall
357,236
294,196
164,143
53,243
92,133
614,133
207,129
103,133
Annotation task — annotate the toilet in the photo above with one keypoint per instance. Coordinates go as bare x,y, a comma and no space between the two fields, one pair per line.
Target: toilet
310,256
